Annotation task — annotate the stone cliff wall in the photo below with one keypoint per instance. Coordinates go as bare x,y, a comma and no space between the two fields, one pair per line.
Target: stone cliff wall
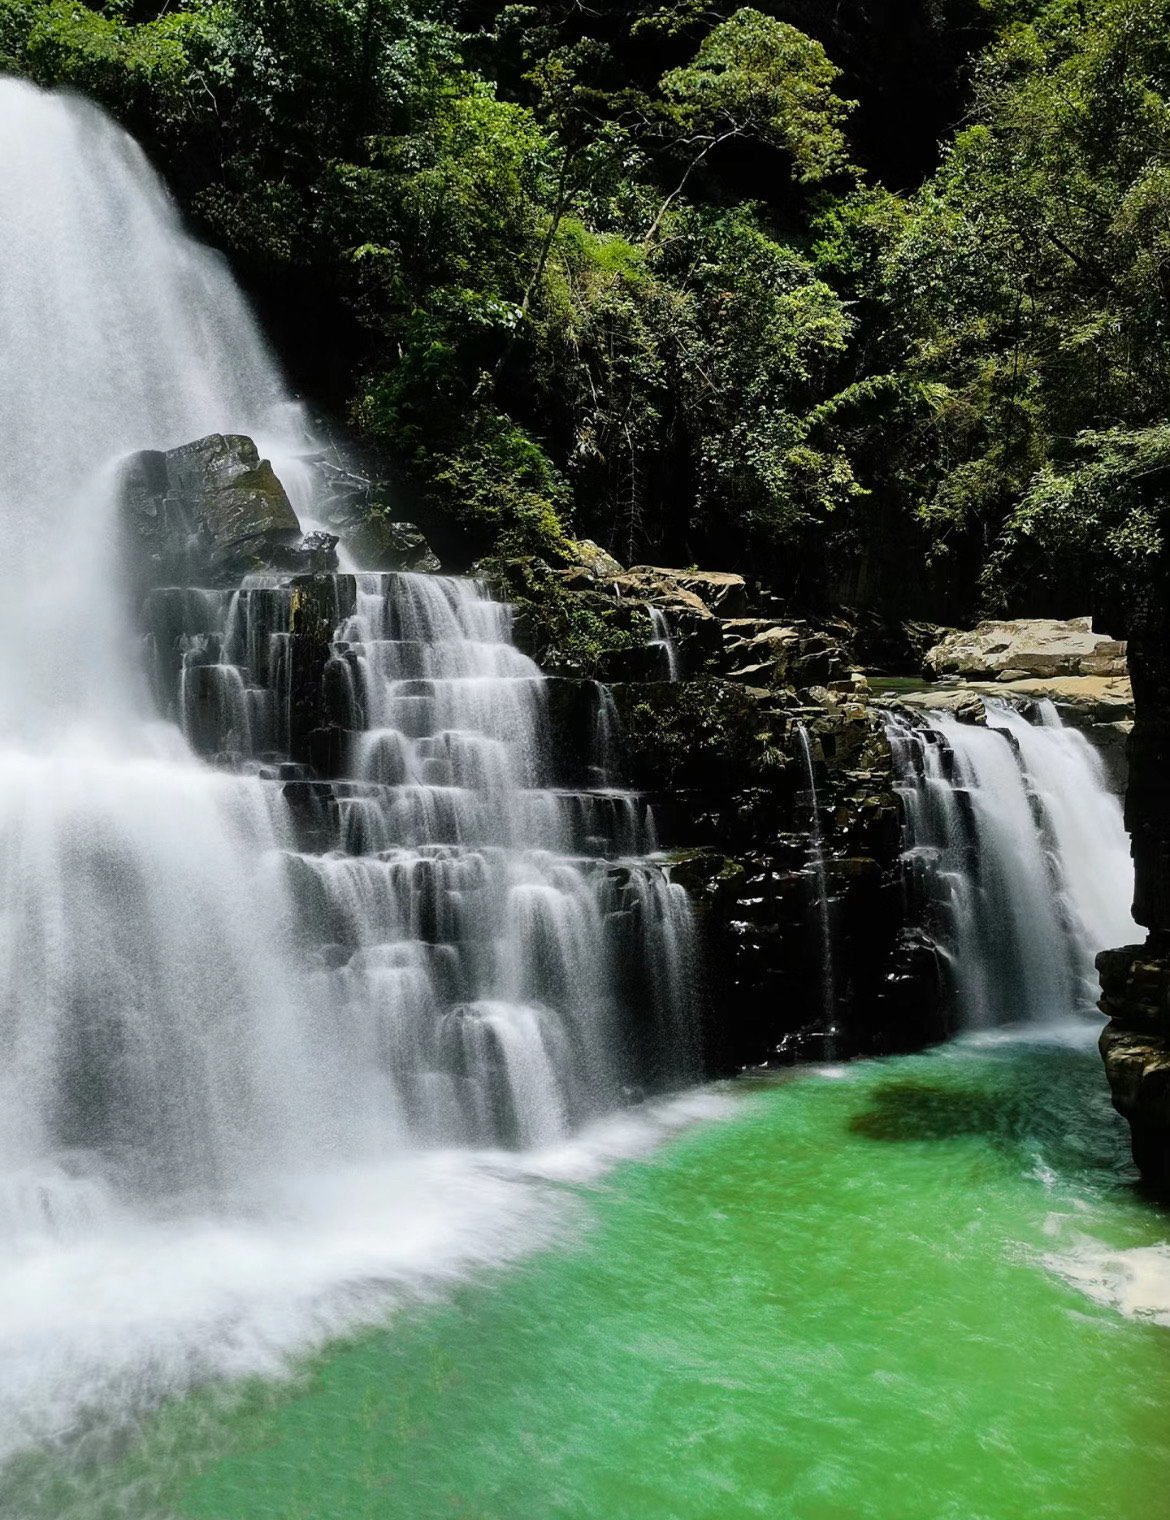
1135,980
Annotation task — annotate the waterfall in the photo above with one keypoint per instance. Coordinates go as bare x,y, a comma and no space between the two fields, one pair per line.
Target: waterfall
664,639
820,878
1019,849
223,976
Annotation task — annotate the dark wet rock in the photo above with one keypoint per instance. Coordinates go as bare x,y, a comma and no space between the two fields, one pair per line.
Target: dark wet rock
384,543
1135,1046
640,662
315,554
206,513
233,497
1135,980
720,760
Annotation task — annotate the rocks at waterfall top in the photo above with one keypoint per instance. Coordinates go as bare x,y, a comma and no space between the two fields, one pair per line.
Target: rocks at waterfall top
1082,673
593,618
1037,647
210,511
595,560
708,592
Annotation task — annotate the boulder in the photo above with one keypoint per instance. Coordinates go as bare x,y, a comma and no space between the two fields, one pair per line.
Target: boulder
709,591
384,543
315,554
210,511
774,655
719,591
661,588
593,559
231,496
1041,647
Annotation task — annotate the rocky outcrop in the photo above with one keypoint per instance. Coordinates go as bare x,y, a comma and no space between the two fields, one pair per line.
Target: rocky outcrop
1013,651
1135,987
380,542
717,751
722,763
1136,979
211,511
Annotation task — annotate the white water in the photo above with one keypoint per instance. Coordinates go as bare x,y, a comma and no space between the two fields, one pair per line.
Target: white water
260,1042
664,639
1019,843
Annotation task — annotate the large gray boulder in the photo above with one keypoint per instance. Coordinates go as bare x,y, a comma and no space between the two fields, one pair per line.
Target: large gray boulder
231,495
385,543
1040,647
210,511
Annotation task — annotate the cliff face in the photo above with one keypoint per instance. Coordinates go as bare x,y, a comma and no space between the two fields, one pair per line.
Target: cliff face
1135,980
770,775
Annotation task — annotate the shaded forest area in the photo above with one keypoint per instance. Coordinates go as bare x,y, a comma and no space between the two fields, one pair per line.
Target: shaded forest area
868,299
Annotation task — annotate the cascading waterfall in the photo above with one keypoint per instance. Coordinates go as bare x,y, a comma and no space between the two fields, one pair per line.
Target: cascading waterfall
1019,846
221,981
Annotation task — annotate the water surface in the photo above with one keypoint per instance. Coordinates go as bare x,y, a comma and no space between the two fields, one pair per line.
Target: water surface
924,1287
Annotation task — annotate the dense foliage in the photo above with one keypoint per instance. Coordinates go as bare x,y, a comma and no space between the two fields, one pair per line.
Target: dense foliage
705,285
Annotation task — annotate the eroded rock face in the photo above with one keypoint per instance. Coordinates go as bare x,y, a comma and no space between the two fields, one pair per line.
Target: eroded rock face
1013,651
1135,986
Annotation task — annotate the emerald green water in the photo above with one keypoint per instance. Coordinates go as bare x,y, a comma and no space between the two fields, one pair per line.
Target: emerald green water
909,1290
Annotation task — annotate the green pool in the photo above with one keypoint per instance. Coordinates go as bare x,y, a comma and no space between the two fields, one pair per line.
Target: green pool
902,1290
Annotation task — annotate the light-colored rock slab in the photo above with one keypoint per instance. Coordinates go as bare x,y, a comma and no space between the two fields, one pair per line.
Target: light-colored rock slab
1031,647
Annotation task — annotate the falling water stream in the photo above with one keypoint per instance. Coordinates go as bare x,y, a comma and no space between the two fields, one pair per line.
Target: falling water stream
821,881
664,639
266,1039
281,1056
1018,842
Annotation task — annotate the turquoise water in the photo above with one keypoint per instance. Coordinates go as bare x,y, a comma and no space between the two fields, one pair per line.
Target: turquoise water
902,1290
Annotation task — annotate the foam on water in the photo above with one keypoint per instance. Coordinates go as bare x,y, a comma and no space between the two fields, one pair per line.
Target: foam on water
1135,1283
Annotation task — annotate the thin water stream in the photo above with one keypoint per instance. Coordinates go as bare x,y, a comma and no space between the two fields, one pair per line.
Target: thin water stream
821,880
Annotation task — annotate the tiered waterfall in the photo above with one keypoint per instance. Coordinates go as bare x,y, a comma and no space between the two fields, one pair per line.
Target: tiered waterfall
228,959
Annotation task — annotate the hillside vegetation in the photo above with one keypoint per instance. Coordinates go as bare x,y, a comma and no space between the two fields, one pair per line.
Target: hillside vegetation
871,304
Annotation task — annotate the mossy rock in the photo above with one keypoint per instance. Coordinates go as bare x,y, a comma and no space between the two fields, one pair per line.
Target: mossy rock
708,734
